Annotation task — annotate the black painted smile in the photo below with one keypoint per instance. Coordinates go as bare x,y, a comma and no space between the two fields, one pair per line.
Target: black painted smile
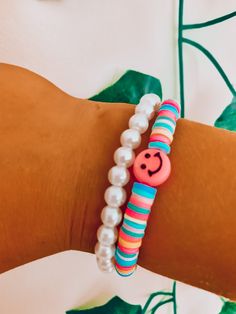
151,173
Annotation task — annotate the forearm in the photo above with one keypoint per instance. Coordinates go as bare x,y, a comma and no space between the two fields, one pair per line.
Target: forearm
53,147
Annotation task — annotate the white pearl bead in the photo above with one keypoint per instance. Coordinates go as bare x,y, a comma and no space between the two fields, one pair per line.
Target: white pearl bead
139,122
103,261
111,216
105,268
107,235
115,196
124,156
118,176
104,251
151,99
146,109
130,138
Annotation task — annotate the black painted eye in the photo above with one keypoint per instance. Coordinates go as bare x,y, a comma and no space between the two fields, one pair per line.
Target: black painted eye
157,155
147,155
143,166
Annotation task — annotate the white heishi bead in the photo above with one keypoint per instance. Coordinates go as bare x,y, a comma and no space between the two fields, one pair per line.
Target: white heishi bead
152,99
139,122
146,109
107,235
115,196
118,176
104,251
111,216
124,156
130,138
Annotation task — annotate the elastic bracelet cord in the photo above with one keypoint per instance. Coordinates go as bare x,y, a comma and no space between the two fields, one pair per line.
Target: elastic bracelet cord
151,168
118,176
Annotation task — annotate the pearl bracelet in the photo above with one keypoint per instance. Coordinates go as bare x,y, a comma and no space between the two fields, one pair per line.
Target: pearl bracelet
118,176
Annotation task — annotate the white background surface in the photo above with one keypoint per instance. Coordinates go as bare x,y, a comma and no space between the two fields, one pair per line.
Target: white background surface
81,46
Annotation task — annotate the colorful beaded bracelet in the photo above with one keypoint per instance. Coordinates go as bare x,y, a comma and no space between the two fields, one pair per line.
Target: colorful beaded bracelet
151,168
118,176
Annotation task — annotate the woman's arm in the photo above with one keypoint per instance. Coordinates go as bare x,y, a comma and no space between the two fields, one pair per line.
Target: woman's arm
55,153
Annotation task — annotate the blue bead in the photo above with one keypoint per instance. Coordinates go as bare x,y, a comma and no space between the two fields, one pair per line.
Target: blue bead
130,255
123,262
166,118
139,210
159,145
134,224
132,234
170,108
163,125
144,190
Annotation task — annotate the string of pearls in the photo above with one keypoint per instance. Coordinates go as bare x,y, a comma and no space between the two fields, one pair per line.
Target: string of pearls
118,176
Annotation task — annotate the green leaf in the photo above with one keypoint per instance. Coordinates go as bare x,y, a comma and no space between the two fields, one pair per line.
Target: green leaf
115,306
228,308
130,88
227,119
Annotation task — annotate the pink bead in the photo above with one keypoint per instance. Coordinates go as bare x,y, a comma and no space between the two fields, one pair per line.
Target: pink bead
152,167
127,251
139,201
159,138
167,113
173,103
127,237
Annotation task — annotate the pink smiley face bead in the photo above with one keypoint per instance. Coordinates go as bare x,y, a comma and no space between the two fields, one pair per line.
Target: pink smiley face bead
152,167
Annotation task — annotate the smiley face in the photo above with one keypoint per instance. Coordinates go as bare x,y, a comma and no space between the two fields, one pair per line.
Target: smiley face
152,167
